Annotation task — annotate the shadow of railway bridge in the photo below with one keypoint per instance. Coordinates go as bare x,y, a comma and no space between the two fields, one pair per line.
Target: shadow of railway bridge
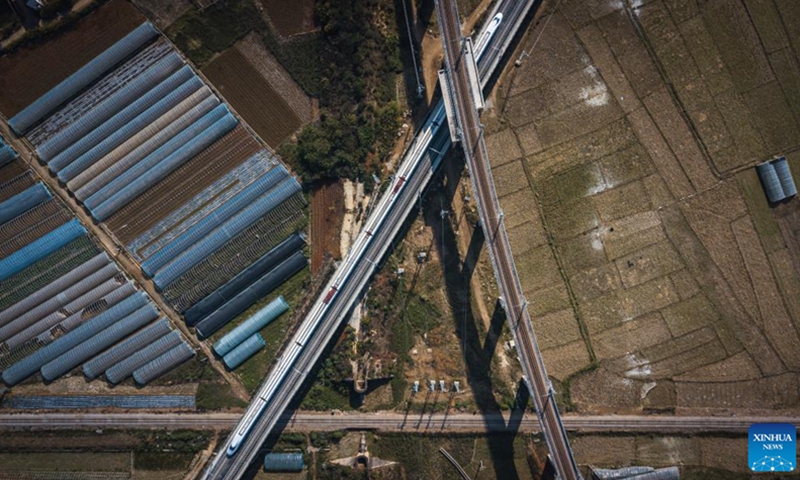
478,347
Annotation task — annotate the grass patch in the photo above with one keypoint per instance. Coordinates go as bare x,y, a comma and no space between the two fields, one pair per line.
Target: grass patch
325,397
216,396
162,461
329,389
200,35
290,441
66,461
323,439
180,441
760,213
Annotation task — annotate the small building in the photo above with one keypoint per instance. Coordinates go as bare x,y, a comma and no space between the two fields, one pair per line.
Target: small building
776,178
283,462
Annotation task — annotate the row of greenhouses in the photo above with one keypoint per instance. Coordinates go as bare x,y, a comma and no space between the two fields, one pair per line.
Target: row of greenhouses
64,304
213,216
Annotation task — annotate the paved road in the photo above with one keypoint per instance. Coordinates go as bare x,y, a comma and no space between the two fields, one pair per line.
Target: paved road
470,132
413,422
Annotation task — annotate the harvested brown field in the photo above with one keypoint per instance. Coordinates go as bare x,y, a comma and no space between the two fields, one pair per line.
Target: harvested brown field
327,213
256,52
681,278
252,97
182,184
700,457
33,70
290,17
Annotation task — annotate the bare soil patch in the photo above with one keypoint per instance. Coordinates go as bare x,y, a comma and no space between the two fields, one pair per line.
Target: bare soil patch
290,17
252,97
327,213
254,50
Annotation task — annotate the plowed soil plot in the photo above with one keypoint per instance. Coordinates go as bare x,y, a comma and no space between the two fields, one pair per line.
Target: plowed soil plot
252,97
183,184
28,73
327,212
290,17
11,170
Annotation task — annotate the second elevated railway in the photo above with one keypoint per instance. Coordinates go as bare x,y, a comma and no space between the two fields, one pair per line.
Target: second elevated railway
350,279
459,78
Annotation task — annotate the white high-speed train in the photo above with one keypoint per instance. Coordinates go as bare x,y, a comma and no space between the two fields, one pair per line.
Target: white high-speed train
287,360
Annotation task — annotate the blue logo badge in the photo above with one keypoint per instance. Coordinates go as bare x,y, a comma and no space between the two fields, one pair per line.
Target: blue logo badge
772,447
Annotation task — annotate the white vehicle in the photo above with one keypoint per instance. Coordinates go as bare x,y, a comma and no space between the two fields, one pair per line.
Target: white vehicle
487,35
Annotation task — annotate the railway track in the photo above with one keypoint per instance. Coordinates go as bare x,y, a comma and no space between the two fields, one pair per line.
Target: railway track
349,281
513,422
470,133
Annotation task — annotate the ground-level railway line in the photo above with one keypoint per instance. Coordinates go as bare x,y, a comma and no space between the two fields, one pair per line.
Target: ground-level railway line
326,315
512,422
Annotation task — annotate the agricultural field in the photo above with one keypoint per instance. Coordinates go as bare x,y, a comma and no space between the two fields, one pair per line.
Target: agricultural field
11,170
181,185
659,277
109,454
495,456
181,167
289,17
254,49
327,213
700,457
186,380
84,40
252,97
